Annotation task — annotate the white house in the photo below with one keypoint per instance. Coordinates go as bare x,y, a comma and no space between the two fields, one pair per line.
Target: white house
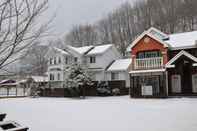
96,58
119,71
99,59
57,60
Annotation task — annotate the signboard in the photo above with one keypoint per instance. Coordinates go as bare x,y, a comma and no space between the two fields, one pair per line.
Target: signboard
176,83
147,90
194,83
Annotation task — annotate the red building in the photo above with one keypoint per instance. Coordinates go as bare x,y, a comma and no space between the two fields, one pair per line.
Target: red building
163,65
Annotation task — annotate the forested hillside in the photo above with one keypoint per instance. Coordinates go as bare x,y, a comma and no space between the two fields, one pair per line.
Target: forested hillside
122,25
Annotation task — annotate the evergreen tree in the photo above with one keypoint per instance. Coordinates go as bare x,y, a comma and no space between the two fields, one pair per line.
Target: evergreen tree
78,79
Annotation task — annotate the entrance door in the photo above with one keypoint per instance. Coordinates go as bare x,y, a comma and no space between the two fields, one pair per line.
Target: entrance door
194,83
187,80
176,83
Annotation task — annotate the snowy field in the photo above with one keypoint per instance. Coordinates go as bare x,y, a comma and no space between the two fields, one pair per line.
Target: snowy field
103,114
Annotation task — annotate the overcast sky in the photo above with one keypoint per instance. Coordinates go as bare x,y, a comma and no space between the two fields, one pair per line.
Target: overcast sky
72,12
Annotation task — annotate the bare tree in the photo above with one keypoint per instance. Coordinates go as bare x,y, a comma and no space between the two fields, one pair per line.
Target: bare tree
35,62
82,35
56,43
19,28
121,26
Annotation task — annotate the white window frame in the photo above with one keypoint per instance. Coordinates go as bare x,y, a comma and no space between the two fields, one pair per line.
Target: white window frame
51,77
55,61
50,61
115,75
92,59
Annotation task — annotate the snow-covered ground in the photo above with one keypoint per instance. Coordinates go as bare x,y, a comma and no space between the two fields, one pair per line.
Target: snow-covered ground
103,114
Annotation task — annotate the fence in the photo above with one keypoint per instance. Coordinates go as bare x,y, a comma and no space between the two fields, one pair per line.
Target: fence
89,90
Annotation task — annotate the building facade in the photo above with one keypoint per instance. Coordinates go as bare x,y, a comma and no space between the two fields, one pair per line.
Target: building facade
163,65
96,58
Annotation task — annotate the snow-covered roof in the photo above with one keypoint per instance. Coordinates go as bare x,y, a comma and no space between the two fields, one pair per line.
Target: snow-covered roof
99,49
169,64
120,65
61,51
182,40
7,81
81,50
175,41
153,33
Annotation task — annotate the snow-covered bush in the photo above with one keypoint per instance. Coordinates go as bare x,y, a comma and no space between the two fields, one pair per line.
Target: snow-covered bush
77,79
116,91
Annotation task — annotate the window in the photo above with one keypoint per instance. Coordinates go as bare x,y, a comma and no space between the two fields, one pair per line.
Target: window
55,61
51,61
58,76
55,69
92,59
115,76
51,77
75,59
59,60
148,54
66,60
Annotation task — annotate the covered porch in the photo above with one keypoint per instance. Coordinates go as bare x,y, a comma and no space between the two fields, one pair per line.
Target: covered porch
148,83
182,75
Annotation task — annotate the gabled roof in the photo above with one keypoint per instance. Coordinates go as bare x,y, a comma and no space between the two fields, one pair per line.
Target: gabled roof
61,51
120,65
183,40
181,53
153,33
80,50
99,49
56,50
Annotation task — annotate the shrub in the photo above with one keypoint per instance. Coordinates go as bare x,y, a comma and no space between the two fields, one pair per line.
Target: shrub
116,91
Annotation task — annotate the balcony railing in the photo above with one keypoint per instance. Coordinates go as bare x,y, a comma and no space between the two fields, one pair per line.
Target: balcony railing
148,63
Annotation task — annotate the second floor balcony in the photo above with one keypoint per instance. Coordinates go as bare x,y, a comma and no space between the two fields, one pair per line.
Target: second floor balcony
148,63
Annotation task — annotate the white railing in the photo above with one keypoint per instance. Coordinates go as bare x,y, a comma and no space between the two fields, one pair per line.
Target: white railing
148,63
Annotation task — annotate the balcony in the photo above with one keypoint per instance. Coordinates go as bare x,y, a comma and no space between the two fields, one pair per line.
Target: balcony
148,63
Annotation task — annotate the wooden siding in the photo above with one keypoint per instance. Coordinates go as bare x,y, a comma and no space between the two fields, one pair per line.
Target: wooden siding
184,69
150,45
158,92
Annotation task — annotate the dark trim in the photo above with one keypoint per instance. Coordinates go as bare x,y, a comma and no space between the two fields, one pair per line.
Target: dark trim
159,88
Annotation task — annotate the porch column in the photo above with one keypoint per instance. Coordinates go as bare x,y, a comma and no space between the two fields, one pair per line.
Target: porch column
133,57
166,74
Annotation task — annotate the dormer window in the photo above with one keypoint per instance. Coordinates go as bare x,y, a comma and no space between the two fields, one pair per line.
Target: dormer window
92,59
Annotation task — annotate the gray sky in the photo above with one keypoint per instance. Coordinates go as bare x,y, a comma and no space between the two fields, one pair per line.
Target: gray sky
72,12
